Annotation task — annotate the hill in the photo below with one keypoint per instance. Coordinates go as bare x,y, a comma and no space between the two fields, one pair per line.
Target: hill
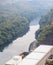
45,33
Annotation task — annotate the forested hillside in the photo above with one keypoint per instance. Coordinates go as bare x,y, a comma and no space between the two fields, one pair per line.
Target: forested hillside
45,33
12,28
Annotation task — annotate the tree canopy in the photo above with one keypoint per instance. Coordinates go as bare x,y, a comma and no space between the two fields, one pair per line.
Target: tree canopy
45,33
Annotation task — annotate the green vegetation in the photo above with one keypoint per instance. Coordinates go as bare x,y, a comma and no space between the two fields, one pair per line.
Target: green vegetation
45,33
46,19
12,28
50,63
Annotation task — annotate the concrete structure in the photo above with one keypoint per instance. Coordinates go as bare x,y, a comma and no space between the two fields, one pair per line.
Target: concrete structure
37,57
14,61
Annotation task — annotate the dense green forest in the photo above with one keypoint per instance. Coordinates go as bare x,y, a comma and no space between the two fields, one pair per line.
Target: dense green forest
45,33
12,28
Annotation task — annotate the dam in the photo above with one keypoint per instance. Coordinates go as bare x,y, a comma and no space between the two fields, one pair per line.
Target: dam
39,56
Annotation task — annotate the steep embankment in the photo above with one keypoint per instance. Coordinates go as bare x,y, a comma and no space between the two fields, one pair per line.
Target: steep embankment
45,34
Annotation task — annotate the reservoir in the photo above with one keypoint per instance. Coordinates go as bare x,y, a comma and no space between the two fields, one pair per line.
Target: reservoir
21,44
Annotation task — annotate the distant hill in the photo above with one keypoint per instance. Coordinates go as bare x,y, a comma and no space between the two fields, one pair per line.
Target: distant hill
28,8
